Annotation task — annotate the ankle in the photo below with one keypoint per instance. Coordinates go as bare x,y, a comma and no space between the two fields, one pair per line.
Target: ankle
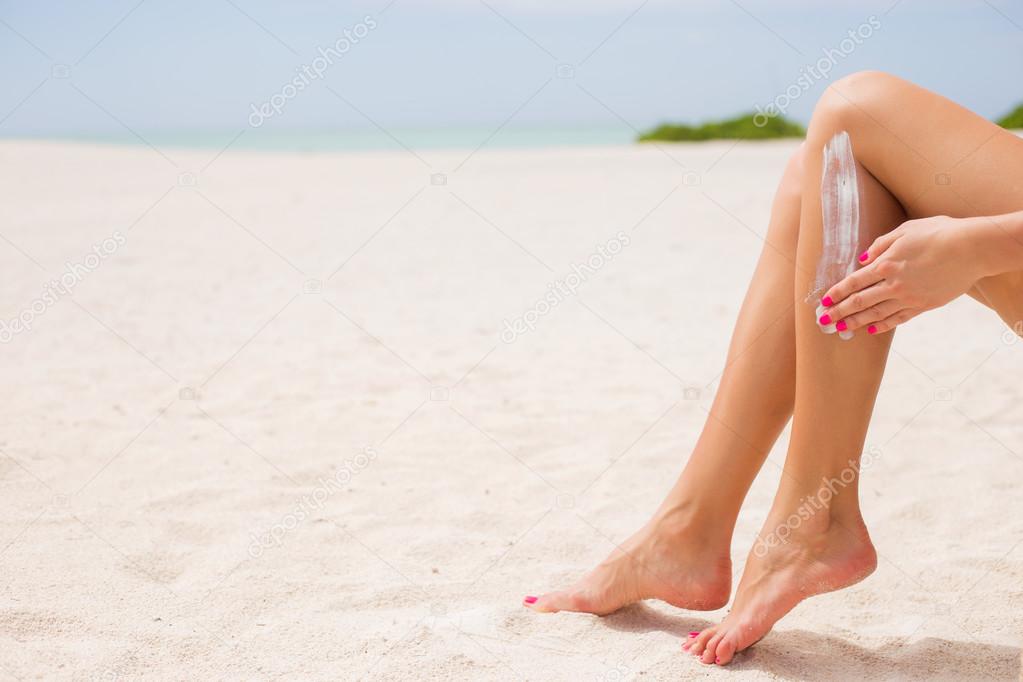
820,500
691,522
807,519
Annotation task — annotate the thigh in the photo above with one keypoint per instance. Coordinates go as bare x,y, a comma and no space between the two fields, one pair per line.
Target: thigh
936,158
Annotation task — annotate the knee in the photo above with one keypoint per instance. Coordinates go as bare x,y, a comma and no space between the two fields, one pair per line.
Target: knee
851,100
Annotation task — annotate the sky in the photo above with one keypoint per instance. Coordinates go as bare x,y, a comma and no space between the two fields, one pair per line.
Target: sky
72,68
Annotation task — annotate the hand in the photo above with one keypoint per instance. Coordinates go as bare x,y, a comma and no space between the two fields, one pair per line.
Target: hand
921,265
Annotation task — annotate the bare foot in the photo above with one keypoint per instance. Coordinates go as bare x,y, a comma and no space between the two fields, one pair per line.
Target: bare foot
687,568
833,555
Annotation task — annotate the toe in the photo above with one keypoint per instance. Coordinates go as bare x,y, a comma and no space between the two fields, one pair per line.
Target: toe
567,600
551,602
748,633
689,640
709,650
726,650
700,643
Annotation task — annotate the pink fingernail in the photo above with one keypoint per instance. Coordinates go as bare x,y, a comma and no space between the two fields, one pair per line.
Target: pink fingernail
871,329
841,326
827,302
825,319
864,256
693,634
530,600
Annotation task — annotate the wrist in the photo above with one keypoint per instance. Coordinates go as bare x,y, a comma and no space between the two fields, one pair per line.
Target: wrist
994,244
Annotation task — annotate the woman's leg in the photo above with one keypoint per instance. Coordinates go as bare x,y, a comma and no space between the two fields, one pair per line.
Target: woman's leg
682,554
814,539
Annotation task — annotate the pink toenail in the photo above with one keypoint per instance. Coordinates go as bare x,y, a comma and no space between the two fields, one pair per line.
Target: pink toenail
827,302
717,660
693,634
871,329
530,600
825,319
841,326
864,256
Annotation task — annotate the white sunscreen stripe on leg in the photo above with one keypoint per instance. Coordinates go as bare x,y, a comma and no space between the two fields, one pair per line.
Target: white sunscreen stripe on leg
840,204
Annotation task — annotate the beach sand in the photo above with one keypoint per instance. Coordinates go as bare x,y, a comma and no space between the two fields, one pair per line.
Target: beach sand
275,431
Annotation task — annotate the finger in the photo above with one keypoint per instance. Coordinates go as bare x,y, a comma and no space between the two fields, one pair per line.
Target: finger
880,245
856,303
881,311
891,322
861,279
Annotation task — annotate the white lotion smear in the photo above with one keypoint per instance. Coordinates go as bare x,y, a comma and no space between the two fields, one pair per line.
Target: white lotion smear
840,204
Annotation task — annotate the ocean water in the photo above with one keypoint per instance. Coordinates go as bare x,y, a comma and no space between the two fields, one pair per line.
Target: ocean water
362,140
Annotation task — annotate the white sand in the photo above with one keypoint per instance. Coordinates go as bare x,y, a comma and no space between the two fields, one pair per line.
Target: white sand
129,512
